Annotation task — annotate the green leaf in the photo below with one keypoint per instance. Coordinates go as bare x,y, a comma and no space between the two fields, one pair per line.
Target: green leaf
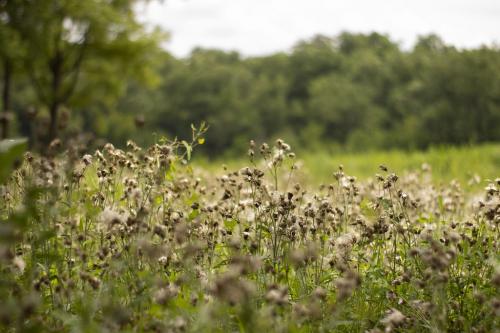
230,224
11,150
193,215
189,149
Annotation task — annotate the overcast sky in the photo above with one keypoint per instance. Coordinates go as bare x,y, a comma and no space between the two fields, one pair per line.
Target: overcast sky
258,27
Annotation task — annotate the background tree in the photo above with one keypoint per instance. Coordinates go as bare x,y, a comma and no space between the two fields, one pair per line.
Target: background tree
350,91
355,91
11,55
82,50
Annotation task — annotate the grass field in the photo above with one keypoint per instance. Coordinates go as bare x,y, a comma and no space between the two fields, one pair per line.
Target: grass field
464,164
447,163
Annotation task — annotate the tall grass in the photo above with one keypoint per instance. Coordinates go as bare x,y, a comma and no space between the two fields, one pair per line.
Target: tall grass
447,163
470,165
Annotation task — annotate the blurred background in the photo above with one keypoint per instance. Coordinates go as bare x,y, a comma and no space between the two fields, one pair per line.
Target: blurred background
333,76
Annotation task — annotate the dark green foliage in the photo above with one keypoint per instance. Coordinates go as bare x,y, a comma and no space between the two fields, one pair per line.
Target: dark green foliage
360,91
74,54
10,152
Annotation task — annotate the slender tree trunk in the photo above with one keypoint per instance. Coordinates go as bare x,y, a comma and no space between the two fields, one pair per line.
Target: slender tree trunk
7,76
56,69
54,108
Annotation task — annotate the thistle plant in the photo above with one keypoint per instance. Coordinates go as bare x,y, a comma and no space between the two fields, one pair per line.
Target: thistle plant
143,240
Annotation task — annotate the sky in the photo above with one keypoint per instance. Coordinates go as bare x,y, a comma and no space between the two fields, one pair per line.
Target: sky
261,27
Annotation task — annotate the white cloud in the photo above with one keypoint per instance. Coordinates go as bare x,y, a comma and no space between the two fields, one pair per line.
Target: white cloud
255,27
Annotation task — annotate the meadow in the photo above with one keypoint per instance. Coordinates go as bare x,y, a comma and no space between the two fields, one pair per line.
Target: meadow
385,218
149,240
471,165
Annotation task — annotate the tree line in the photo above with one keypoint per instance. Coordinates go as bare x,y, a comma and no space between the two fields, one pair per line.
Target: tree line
92,68
357,91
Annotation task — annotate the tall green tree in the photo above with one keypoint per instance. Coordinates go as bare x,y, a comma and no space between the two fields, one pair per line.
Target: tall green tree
11,55
82,50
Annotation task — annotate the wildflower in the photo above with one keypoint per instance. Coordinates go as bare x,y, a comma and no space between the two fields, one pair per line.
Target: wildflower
180,323
54,144
264,150
302,256
277,295
160,230
495,305
110,217
163,295
87,159
347,284
319,293
392,320
19,264
496,277
163,260
311,310
231,288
